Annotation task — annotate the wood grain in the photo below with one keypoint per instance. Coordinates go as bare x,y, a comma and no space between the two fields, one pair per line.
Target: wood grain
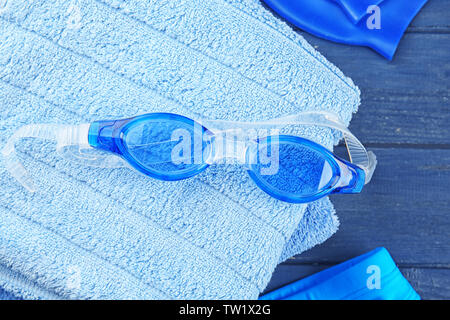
434,17
403,101
405,208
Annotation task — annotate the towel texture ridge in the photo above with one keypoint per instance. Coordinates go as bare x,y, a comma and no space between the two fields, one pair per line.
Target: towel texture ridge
93,233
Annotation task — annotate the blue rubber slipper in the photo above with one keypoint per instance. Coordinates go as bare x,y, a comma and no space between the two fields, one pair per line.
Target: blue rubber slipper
371,276
376,24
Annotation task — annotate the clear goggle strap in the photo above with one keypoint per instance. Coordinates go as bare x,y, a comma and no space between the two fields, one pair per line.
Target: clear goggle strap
71,143
357,153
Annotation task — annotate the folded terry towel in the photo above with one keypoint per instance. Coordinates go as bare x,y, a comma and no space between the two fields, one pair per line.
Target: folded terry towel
106,234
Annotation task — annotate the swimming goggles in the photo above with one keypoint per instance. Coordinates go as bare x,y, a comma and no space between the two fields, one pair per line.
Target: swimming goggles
169,147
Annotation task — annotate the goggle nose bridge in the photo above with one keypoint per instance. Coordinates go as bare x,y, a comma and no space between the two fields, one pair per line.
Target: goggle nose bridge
227,148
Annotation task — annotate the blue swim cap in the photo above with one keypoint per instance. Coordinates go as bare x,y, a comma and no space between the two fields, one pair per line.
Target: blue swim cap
371,276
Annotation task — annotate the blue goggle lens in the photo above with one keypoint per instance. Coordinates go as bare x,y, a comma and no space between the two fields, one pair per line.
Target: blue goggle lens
165,148
304,170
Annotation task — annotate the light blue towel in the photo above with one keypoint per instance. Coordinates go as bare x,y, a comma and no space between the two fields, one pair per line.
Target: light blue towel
107,234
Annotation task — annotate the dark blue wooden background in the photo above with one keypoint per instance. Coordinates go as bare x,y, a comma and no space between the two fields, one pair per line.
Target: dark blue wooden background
405,119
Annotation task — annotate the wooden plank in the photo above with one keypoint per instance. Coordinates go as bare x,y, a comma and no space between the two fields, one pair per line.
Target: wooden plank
403,101
420,66
430,283
403,119
434,17
405,208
